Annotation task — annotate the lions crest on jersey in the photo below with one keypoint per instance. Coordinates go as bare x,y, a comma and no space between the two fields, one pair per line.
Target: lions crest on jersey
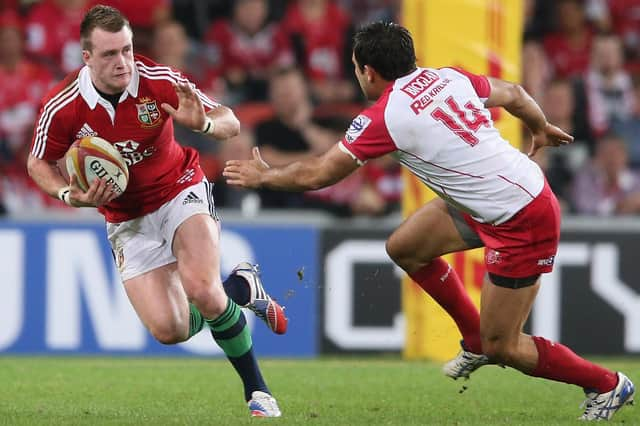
148,113
358,125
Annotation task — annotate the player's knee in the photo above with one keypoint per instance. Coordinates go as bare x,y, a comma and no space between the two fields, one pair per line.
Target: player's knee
210,302
170,335
397,252
499,350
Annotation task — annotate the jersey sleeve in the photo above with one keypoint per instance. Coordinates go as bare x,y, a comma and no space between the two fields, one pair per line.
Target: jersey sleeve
51,135
157,72
367,137
479,82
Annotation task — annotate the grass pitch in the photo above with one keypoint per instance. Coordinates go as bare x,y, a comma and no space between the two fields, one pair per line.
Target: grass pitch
347,391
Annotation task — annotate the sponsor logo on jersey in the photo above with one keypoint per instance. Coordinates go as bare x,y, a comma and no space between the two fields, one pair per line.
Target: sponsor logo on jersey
191,198
130,151
548,261
148,113
85,131
420,84
358,125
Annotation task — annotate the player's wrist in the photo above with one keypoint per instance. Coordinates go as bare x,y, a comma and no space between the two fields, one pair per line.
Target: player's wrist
64,195
209,126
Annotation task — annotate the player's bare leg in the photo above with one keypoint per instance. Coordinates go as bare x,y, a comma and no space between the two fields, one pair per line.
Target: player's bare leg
416,246
502,316
161,303
196,246
503,313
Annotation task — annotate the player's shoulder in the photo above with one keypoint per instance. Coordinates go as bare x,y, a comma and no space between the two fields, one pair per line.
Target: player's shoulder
157,74
63,92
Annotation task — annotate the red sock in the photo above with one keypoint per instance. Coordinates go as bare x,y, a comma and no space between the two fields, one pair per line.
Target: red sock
558,362
442,283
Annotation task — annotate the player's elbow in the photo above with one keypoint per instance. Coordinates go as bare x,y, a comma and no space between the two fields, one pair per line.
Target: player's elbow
32,165
516,96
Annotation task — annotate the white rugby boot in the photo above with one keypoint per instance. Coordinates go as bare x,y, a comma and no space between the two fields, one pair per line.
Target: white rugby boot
262,404
464,364
602,406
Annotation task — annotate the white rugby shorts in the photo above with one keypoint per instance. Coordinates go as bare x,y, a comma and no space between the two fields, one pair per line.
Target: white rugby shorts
145,243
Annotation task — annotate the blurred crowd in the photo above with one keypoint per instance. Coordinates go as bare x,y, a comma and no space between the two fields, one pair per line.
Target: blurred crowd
284,67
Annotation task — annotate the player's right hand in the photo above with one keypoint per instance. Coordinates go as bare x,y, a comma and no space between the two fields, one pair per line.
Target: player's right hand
98,194
246,173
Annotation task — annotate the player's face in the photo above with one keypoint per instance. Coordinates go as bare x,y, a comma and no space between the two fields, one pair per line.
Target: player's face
362,78
110,60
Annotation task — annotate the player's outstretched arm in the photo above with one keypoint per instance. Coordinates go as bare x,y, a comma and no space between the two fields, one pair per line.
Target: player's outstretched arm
47,176
518,103
312,173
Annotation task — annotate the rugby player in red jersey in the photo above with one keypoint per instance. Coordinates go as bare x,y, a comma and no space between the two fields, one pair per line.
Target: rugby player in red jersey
163,229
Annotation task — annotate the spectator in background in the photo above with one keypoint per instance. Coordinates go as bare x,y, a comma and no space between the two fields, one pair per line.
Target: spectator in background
608,86
238,147
22,85
629,130
53,28
607,186
170,46
372,10
246,49
291,134
623,18
569,47
321,34
143,16
537,72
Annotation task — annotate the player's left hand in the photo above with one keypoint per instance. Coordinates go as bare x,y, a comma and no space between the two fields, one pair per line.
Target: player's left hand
246,173
190,112
549,136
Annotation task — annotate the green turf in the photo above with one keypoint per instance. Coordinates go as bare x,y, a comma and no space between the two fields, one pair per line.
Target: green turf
350,391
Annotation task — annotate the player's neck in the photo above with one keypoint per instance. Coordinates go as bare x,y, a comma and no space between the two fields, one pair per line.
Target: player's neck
113,99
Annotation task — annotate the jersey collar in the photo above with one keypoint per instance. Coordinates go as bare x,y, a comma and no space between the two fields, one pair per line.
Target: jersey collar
91,96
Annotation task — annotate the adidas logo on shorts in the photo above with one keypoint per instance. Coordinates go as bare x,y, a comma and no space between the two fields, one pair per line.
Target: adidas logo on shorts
191,198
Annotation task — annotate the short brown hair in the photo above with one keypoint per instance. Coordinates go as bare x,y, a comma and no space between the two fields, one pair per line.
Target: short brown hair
106,18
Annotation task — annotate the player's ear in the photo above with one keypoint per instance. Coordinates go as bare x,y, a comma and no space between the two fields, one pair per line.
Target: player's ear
370,73
86,55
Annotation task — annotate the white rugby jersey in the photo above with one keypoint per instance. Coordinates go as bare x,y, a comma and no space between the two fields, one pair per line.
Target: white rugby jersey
435,123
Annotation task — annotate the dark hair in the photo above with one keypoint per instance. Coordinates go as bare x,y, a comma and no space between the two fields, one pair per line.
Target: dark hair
386,47
104,17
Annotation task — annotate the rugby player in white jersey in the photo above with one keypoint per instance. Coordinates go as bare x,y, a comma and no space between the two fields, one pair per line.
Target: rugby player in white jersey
436,123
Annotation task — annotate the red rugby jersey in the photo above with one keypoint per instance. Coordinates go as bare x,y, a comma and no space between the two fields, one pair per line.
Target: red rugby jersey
159,167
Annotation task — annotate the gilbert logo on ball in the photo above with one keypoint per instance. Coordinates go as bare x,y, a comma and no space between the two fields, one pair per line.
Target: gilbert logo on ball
92,158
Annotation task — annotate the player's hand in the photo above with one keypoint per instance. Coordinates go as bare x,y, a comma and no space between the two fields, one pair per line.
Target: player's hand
549,136
98,194
246,173
190,112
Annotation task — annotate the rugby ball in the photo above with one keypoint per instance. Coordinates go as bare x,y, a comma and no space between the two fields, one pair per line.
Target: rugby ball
92,158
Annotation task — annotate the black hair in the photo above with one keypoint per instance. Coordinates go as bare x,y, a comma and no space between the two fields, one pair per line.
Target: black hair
387,48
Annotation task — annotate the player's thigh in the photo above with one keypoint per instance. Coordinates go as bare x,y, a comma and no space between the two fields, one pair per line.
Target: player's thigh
161,303
503,311
196,246
428,233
